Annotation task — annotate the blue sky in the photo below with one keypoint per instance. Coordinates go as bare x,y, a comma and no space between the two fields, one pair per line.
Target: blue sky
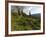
26,9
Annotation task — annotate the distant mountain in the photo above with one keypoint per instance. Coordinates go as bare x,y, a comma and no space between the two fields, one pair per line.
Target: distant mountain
36,15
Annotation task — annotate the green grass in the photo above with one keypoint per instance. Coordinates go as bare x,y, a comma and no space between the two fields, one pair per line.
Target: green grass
19,23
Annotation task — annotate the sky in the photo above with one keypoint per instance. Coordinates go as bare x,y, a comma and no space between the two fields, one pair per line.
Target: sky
26,9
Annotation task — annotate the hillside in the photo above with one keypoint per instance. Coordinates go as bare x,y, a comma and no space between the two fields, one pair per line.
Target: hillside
36,15
25,22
